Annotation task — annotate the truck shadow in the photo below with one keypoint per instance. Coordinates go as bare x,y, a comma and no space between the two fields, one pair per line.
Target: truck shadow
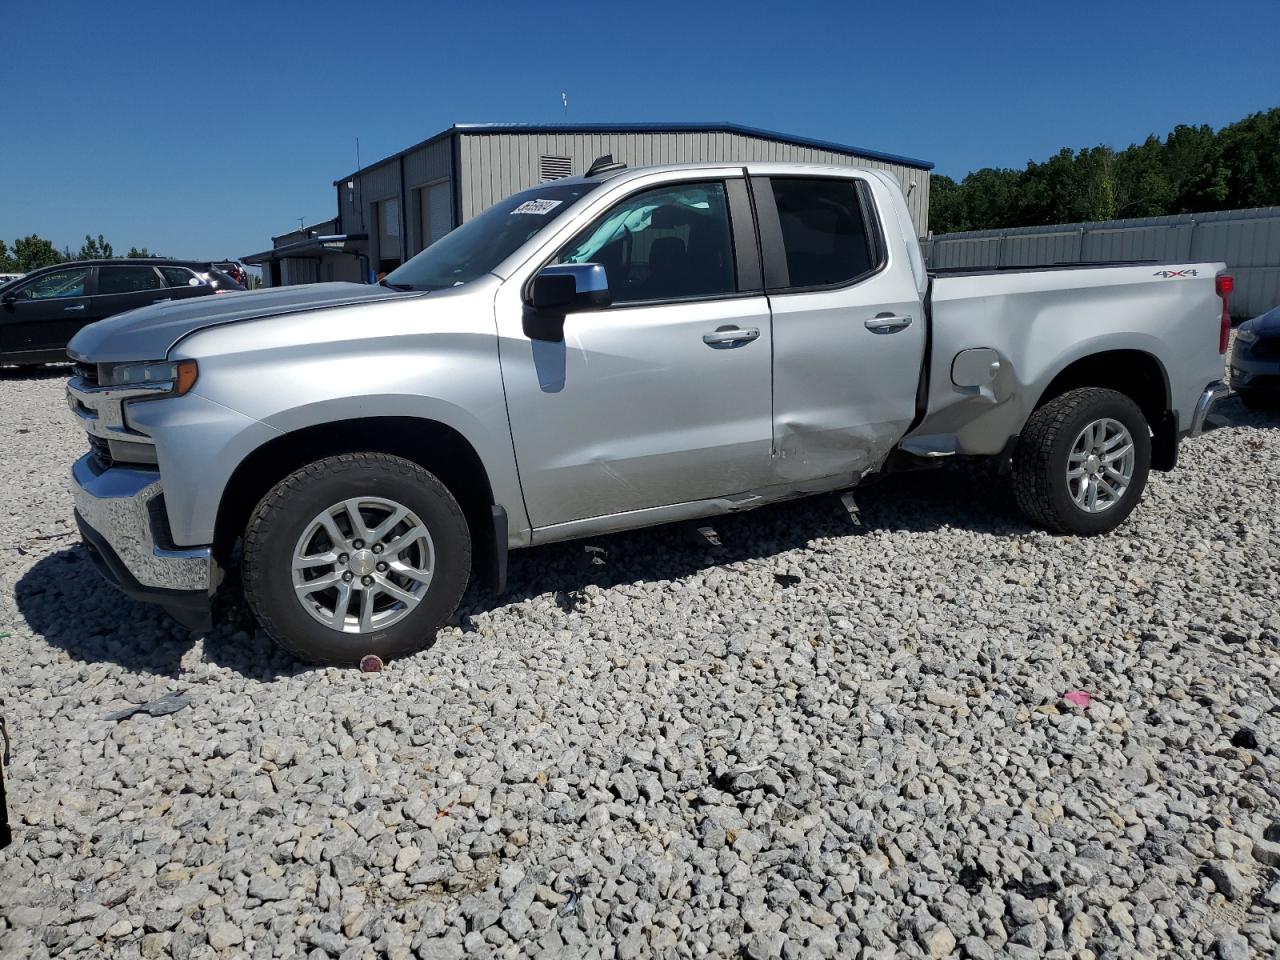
954,496
65,601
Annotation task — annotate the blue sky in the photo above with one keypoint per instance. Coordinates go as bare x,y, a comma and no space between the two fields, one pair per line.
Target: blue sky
202,131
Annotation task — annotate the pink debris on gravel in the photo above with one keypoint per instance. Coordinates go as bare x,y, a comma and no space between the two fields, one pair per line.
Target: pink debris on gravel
1077,698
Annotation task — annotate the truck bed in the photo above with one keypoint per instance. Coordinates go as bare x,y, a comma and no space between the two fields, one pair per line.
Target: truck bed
1033,323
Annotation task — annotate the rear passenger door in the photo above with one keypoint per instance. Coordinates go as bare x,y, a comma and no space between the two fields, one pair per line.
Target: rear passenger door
848,327
126,287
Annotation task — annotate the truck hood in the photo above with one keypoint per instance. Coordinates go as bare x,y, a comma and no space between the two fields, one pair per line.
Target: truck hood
150,332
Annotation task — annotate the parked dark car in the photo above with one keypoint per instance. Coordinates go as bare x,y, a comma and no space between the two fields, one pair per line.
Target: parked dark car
1255,361
41,311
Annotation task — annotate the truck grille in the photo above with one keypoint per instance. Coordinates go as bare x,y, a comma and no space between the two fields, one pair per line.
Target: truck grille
101,451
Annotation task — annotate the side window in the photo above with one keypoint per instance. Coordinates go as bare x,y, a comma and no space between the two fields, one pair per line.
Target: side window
52,286
179,277
824,233
127,279
668,243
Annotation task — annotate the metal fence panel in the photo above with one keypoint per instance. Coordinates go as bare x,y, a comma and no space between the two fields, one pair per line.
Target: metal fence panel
1247,241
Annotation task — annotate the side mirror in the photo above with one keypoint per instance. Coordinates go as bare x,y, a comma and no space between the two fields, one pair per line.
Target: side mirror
9,299
560,290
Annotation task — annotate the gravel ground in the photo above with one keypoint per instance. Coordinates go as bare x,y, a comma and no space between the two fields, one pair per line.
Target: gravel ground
819,738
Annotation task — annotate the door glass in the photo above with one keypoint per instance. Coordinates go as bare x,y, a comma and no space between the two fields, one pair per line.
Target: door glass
823,232
179,277
60,283
669,243
127,279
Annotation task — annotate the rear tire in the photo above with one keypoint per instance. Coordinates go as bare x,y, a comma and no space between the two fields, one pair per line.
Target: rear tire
356,554
1082,461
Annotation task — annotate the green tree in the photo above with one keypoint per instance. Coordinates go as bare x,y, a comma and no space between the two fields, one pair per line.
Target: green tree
33,252
7,262
92,249
1192,169
143,253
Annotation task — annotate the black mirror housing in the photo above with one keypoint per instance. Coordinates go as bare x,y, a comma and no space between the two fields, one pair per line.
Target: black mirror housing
560,290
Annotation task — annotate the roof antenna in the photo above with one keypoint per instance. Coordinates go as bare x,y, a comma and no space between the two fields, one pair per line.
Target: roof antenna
564,100
605,164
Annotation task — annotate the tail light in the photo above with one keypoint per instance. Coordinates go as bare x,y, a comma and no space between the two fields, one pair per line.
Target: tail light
1224,285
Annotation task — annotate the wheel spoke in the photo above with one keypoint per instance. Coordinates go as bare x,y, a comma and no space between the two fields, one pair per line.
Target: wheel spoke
1078,456
387,525
339,618
367,596
1075,472
337,539
1111,491
359,530
315,560
401,594
1115,455
413,573
308,587
1092,500
405,540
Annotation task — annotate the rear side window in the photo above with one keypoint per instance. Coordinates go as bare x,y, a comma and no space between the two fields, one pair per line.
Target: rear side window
824,232
179,277
127,279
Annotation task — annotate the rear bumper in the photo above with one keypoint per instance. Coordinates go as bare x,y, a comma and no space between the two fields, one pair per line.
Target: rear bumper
1218,390
120,514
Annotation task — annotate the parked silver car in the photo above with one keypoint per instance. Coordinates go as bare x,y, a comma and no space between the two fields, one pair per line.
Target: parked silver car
602,353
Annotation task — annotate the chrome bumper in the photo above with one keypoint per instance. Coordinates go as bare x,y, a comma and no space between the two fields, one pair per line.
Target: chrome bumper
1214,392
120,507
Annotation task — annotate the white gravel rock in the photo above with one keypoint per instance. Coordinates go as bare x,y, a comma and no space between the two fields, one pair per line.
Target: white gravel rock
819,738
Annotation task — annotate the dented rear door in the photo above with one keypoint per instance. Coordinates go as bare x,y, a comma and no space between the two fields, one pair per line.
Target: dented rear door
848,325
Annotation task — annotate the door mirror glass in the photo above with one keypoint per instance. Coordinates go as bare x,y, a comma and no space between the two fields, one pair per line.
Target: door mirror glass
560,290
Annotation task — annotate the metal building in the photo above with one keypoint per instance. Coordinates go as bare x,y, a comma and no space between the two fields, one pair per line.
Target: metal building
392,209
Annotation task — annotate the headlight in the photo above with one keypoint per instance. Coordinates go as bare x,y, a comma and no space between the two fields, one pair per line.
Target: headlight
181,374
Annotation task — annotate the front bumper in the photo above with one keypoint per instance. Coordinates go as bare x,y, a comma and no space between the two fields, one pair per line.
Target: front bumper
1218,390
121,515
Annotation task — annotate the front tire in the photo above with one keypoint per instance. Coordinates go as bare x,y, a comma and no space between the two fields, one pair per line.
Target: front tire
356,554
1082,462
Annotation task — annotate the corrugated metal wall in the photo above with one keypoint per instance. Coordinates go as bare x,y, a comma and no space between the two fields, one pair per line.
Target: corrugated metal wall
1248,241
428,164
375,184
496,165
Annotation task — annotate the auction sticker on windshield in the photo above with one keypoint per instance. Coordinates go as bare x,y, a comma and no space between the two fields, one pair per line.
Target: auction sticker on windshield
537,206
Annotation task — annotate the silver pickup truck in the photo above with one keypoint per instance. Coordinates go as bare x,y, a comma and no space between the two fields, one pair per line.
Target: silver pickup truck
628,348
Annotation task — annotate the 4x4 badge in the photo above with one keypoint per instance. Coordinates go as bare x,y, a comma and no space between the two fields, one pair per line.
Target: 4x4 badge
1170,274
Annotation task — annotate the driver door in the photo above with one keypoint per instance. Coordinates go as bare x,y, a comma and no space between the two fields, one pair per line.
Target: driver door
44,312
654,400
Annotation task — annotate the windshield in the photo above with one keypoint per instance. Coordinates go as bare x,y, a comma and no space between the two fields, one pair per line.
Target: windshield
479,245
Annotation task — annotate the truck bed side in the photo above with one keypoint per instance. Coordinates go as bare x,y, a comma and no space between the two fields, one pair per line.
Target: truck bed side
1035,324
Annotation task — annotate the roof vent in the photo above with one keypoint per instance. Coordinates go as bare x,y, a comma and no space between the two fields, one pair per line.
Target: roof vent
554,168
605,164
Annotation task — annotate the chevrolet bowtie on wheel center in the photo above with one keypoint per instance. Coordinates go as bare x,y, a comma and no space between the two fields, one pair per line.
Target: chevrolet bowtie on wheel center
600,353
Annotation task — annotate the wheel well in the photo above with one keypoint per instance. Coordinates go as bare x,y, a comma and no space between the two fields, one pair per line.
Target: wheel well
1140,377
428,443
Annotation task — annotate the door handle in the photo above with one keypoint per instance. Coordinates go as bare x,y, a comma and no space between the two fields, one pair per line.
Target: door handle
78,306
730,335
887,324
